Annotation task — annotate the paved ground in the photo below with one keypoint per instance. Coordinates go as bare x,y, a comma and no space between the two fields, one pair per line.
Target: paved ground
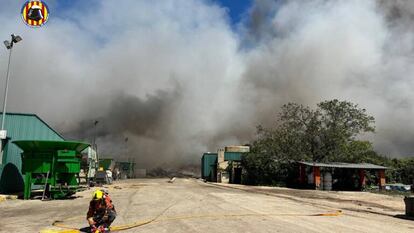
189,205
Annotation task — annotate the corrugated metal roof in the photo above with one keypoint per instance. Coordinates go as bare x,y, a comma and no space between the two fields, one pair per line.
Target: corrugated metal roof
23,126
30,115
344,165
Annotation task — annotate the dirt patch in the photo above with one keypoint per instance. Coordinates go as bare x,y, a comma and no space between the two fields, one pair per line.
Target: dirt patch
356,201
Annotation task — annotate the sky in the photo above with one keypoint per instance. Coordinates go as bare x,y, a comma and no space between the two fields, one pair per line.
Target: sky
177,78
236,8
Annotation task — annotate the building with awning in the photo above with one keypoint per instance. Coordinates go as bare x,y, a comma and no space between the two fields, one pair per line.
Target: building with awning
339,176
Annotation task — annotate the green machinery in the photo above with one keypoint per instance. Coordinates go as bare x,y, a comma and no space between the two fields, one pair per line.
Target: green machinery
106,164
52,164
126,169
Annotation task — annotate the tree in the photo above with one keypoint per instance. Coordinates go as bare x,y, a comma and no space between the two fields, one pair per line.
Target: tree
265,163
341,123
402,170
327,134
297,131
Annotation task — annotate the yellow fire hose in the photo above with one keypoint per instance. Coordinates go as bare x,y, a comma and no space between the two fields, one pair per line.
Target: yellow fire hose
70,229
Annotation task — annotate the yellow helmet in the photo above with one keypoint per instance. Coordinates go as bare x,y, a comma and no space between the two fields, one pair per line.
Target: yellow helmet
97,195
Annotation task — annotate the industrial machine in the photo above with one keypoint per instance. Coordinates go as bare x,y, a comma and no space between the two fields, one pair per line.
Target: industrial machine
53,164
126,169
104,173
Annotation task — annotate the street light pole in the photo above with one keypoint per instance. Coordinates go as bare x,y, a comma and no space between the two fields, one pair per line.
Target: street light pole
3,134
6,90
94,146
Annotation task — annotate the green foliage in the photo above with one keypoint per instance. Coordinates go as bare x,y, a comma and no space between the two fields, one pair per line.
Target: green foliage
326,134
402,170
341,123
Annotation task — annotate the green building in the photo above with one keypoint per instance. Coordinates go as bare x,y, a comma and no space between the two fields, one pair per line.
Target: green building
209,167
223,166
20,126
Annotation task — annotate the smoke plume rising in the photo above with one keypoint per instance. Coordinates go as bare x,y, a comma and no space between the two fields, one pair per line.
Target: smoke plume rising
359,51
176,79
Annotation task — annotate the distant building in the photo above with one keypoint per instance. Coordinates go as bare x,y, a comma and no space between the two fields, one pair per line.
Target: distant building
126,169
223,166
339,176
20,126
209,167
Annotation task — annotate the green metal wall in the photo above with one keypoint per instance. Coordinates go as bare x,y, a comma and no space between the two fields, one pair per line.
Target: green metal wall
21,127
207,161
232,156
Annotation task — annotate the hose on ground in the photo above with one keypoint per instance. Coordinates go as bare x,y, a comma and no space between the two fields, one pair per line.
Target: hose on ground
69,229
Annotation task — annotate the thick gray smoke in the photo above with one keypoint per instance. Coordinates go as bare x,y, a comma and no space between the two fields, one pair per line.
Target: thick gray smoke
161,73
176,79
361,51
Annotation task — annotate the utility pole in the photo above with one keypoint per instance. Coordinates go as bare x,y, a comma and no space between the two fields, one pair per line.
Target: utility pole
94,146
3,133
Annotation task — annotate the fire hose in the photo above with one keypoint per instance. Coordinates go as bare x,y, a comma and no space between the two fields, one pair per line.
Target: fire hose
69,229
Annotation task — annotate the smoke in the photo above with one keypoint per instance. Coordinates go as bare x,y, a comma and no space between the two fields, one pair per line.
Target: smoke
310,51
169,80
159,73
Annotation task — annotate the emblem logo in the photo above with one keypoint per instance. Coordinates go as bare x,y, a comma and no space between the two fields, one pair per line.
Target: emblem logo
35,13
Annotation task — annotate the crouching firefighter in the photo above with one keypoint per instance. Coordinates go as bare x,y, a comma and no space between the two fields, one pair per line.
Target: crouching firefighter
101,212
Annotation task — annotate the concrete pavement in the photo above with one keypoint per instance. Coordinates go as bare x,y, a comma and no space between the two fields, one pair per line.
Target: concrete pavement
189,205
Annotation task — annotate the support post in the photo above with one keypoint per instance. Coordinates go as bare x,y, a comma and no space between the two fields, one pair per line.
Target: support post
302,174
27,185
317,177
44,189
381,179
362,179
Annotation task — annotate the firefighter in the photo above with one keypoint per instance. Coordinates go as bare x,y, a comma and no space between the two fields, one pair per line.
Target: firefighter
101,212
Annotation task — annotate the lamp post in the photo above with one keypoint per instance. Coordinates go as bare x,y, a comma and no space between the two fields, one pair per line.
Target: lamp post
94,146
94,134
3,133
